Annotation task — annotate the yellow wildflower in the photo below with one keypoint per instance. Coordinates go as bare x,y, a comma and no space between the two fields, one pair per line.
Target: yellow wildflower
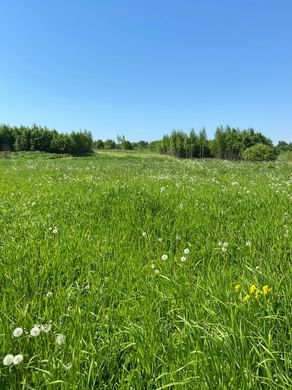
266,289
257,294
252,289
237,287
246,298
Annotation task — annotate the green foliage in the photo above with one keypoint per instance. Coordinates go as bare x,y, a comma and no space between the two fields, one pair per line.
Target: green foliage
38,138
259,152
81,245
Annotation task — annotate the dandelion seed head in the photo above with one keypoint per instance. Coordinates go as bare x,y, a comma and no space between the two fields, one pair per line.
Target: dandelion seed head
183,259
186,251
49,294
17,332
164,257
35,331
8,360
17,359
60,340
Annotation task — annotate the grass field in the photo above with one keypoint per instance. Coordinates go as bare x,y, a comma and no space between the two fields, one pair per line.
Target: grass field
137,272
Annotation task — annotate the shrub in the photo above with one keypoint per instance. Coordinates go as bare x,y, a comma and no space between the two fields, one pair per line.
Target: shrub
259,152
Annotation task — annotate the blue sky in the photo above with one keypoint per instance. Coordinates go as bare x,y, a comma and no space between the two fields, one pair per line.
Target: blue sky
144,67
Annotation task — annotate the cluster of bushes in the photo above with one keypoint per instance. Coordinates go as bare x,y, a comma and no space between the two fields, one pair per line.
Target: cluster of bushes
38,138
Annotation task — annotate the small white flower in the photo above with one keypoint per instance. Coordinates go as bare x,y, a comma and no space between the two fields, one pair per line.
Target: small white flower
224,249
225,244
17,359
164,257
144,234
186,251
33,203
152,266
35,331
49,294
183,258
220,243
46,328
257,267
160,239
162,189
156,271
55,230
248,243
60,339
8,360
17,332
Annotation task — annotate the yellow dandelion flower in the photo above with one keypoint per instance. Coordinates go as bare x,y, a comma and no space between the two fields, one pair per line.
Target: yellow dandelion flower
252,289
257,294
237,287
246,298
266,289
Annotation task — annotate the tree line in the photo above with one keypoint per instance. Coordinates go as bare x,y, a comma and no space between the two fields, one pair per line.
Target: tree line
228,143
37,138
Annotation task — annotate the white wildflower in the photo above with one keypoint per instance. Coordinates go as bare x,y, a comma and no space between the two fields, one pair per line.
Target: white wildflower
60,339
17,359
162,189
186,251
183,258
45,328
164,257
17,332
144,234
49,294
160,239
248,243
220,243
156,271
35,331
152,265
55,230
8,360
225,244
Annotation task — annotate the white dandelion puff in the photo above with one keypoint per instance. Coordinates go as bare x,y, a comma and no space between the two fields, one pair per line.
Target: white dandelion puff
17,332
144,234
45,328
156,271
186,251
17,359
49,294
160,239
225,244
60,340
35,331
55,230
164,257
8,360
248,243
183,258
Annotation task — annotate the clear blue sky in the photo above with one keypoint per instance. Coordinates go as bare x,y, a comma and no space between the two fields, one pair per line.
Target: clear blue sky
144,67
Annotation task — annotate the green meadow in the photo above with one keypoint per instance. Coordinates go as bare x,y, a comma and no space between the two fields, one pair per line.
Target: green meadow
128,271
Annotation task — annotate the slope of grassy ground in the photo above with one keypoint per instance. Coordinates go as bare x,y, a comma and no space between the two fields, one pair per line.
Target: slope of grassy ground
140,271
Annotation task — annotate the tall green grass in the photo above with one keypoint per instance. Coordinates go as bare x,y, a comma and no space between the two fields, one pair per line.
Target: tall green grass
81,246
